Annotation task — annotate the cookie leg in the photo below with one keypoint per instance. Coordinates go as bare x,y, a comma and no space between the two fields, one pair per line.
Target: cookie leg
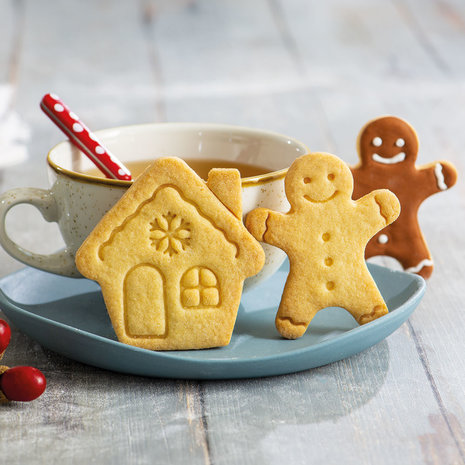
417,259
364,312
414,255
421,264
295,310
405,244
426,271
290,328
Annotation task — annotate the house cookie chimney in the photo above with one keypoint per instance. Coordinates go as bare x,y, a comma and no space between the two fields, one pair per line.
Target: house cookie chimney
226,185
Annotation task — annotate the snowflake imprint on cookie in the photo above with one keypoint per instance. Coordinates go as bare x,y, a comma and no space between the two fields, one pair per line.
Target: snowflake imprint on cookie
170,234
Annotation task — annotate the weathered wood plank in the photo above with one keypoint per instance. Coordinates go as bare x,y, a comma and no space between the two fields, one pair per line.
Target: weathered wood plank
425,433
82,54
101,417
261,433
10,27
315,71
225,46
95,56
357,40
14,132
439,29
366,409
436,327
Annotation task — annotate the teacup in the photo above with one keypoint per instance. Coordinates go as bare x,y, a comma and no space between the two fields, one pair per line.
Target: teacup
79,196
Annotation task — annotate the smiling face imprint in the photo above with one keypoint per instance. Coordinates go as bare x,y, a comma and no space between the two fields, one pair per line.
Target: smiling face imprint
320,188
319,179
388,141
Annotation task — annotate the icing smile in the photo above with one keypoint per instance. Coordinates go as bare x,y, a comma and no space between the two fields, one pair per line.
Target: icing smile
400,157
306,197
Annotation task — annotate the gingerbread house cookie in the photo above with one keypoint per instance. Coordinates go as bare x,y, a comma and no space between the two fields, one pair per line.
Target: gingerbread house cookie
171,258
388,148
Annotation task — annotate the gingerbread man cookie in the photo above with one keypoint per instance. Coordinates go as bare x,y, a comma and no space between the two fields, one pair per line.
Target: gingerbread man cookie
324,235
388,148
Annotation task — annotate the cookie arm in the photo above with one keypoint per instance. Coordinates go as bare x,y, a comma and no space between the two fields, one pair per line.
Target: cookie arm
379,209
437,176
264,224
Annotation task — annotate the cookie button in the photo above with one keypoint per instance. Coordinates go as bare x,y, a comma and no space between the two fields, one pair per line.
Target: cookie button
330,285
383,239
326,237
329,261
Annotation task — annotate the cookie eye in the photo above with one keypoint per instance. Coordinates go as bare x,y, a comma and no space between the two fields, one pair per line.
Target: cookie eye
331,176
400,142
307,180
377,141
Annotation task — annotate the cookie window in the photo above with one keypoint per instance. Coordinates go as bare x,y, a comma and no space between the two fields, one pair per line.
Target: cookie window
199,288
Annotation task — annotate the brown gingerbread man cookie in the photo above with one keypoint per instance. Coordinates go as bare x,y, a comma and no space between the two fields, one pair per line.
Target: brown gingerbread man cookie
388,148
324,235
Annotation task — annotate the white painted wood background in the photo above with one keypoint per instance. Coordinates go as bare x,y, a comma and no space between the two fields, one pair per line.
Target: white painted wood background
317,71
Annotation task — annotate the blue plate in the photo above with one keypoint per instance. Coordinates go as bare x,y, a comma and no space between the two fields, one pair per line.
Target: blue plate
68,316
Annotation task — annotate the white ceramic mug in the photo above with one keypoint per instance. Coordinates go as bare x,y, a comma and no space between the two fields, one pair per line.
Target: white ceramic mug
77,201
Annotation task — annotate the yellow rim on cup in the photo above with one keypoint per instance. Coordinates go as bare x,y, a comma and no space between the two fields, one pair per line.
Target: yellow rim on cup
248,181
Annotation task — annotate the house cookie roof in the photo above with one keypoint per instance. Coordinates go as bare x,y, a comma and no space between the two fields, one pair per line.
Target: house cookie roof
175,173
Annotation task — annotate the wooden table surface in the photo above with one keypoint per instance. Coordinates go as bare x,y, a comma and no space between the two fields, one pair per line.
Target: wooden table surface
313,70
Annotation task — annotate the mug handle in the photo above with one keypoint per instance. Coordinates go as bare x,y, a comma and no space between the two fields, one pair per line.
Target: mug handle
61,262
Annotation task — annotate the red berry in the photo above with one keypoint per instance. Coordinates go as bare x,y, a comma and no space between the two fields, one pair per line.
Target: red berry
22,383
5,334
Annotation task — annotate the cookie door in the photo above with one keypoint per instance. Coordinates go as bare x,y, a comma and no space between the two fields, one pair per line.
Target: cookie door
144,305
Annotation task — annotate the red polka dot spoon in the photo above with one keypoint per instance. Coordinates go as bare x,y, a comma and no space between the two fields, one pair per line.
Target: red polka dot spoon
81,136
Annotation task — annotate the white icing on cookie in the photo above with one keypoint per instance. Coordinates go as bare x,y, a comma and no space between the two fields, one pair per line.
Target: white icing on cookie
440,177
400,157
377,141
416,269
383,239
